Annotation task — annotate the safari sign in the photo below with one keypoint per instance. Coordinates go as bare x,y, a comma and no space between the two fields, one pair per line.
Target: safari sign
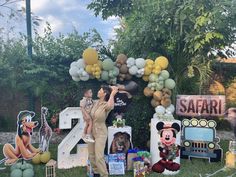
200,105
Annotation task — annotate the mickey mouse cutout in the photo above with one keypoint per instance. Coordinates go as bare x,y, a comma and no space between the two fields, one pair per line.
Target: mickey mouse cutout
168,149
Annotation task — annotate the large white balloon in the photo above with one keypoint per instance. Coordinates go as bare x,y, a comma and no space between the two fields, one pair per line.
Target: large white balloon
170,109
76,79
85,78
130,62
140,63
73,64
133,70
80,63
74,71
160,110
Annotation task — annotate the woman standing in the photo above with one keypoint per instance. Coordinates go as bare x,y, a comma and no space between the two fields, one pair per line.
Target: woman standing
99,113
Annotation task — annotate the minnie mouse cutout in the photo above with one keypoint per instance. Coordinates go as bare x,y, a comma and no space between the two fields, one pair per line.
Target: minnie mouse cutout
168,149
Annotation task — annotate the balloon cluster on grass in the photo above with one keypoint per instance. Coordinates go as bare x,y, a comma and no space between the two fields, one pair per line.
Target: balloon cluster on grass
22,170
41,158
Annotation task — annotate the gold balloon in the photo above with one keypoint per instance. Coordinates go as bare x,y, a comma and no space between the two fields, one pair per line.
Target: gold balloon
146,78
88,69
162,62
90,56
148,92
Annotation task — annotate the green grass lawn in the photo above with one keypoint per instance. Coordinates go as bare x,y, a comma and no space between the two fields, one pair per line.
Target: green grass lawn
188,168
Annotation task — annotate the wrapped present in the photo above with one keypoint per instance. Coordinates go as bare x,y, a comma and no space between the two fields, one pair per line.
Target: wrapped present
139,168
132,153
116,168
119,157
146,156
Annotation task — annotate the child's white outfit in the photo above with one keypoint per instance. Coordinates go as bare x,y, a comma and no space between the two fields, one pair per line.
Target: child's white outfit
87,103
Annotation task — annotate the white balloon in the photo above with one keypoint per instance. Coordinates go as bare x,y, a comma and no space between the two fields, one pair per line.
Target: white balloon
80,71
85,78
155,115
80,63
74,64
160,110
141,71
140,63
76,79
139,75
130,62
170,109
84,73
73,71
133,70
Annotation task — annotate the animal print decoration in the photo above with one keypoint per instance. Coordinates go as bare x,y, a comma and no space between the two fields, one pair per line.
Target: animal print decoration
45,131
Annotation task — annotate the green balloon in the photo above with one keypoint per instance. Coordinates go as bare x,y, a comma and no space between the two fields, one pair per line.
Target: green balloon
111,74
159,86
169,83
165,74
28,172
13,167
23,167
29,166
107,64
104,75
116,71
18,165
16,173
153,77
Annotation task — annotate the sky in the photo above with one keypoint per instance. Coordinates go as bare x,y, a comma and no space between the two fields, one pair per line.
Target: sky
66,15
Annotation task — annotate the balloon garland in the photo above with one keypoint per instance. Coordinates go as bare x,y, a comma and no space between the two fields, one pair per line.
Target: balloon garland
159,86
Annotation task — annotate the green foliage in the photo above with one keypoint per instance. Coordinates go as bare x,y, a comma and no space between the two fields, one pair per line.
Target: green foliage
46,74
109,8
179,30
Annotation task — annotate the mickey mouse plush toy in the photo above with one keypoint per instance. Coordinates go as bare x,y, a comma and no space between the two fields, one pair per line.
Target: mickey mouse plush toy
168,149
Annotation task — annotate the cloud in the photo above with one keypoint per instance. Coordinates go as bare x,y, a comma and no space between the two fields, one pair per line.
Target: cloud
66,15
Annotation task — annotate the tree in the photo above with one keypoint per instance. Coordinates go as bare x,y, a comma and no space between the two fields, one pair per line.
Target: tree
109,8
10,14
184,31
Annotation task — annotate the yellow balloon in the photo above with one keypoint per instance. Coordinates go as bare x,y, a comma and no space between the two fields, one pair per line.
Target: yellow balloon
93,69
36,159
97,68
149,62
150,67
162,61
90,56
156,69
45,157
146,78
97,73
147,71
100,64
88,69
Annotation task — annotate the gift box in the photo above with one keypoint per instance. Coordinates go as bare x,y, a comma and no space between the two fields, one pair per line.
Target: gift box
132,153
119,157
117,164
139,168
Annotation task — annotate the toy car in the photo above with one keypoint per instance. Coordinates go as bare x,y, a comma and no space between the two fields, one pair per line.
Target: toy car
199,140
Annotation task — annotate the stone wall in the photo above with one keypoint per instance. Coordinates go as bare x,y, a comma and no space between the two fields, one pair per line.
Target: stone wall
11,103
9,137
